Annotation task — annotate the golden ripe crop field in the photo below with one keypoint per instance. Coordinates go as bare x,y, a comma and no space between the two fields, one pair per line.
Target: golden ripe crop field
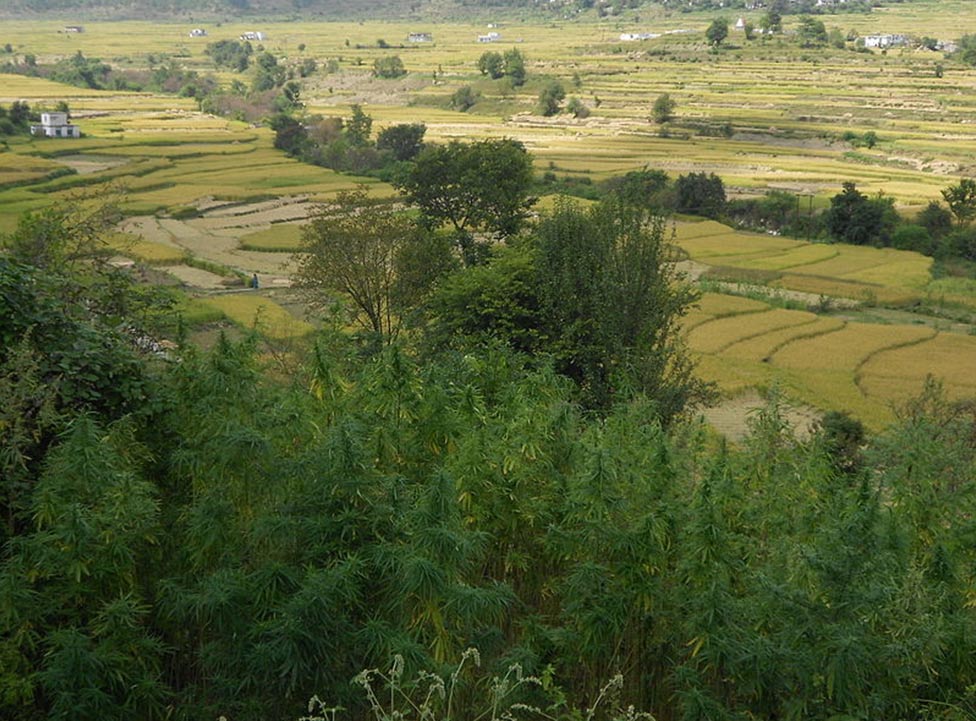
826,362
716,335
261,313
764,115
281,237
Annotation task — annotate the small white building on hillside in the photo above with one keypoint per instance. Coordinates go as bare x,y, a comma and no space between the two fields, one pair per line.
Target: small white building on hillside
56,125
885,41
254,35
635,37
198,33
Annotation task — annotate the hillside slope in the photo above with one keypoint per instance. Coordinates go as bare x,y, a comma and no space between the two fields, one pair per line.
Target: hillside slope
132,9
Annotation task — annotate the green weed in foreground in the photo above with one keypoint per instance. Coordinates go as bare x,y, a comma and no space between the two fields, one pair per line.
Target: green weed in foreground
393,696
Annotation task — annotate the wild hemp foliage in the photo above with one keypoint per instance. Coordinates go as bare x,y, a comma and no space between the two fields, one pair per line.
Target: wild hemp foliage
250,531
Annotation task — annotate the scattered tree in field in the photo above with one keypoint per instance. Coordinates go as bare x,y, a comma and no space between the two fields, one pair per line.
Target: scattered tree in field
268,73
771,22
611,303
404,140
717,31
936,219
550,98
663,109
390,67
514,63
966,52
961,199
909,236
290,134
578,108
491,64
290,99
464,98
811,32
16,119
642,188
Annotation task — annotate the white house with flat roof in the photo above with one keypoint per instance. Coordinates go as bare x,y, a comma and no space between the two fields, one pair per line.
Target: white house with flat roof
56,125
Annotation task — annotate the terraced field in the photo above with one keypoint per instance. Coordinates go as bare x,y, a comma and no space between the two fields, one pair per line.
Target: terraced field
211,202
826,362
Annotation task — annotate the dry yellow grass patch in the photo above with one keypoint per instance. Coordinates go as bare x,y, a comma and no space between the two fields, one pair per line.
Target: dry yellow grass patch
762,347
145,251
715,335
719,304
897,374
282,237
261,313
796,257
687,231
846,349
839,288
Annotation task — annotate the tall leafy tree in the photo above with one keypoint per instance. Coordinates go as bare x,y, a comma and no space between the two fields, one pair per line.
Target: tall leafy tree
483,185
700,194
491,64
353,249
854,218
514,65
961,199
717,31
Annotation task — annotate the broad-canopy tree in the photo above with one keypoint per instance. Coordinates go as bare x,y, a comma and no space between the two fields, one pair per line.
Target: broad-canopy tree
643,188
550,97
811,32
611,301
478,186
717,31
514,64
491,64
593,289
389,67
